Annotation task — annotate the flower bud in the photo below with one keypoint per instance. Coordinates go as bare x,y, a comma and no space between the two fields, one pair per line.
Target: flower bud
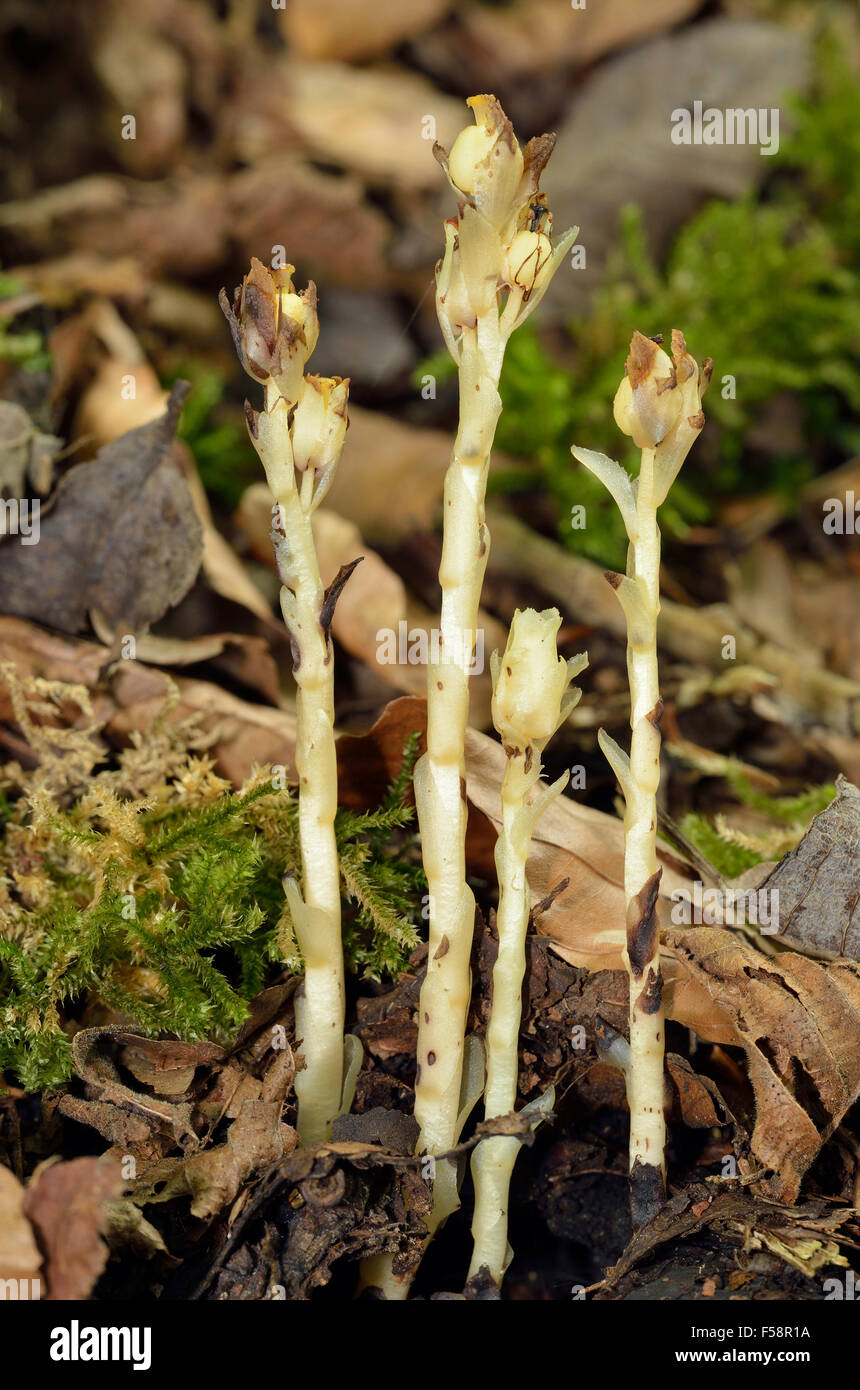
531,680
274,329
529,261
319,423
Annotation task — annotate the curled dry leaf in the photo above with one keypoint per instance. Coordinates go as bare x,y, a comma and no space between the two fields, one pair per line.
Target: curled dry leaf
65,1204
798,1022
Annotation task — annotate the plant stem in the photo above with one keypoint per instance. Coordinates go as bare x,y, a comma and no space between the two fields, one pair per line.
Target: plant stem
493,1160
641,875
320,1005
440,774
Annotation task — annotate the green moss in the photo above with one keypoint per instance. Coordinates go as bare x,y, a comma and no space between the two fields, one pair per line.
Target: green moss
162,897
25,350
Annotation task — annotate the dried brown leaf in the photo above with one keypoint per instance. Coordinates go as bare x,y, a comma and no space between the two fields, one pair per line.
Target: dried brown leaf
799,1023
65,1203
121,536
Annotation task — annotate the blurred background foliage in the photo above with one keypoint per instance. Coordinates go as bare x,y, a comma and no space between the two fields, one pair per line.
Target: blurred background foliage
768,284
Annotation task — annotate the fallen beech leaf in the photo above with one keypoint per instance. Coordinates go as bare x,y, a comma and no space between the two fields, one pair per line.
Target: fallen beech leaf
166,1065
19,1253
330,31
696,1097
524,39
369,121
65,1203
121,536
819,891
368,763
798,1022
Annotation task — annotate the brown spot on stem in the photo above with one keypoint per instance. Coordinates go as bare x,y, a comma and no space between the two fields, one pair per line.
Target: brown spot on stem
529,758
439,685
431,1058
612,578
651,998
697,421
642,925
463,789
647,1192
252,417
442,949
656,714
426,1016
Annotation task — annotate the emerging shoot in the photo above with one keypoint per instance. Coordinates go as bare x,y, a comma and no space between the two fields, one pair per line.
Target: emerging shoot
531,699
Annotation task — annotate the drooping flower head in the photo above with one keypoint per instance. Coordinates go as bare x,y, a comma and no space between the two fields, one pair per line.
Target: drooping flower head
274,329
659,402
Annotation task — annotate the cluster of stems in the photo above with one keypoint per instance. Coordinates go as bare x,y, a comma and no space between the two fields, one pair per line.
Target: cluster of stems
532,697
659,405
299,436
499,259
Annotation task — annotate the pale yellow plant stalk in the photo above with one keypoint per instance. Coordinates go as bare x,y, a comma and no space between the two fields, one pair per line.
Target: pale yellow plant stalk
299,437
531,699
499,259
659,404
